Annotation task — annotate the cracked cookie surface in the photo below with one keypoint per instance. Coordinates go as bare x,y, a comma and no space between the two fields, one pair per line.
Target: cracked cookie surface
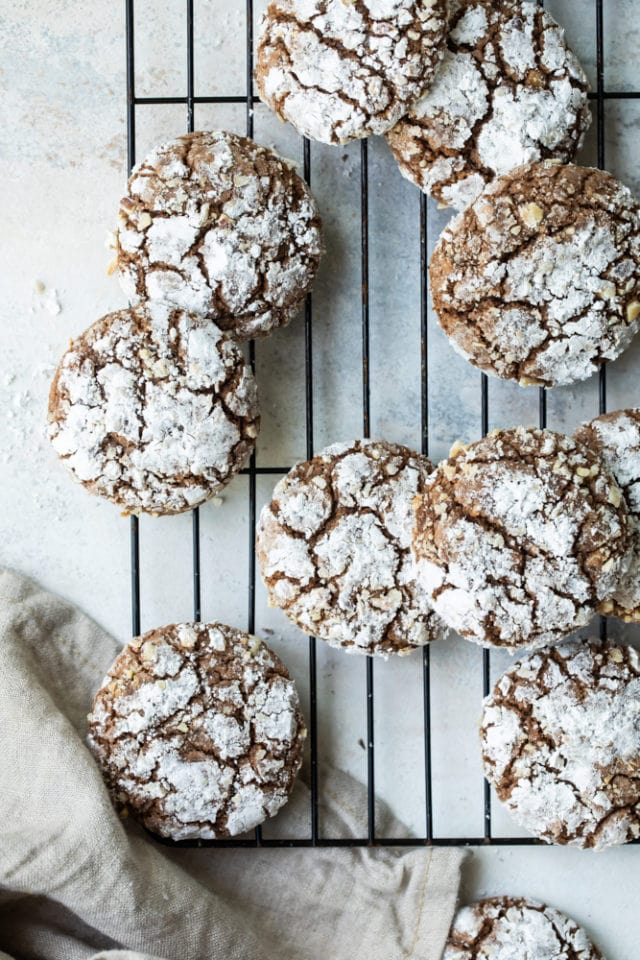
515,928
615,437
339,71
198,731
509,92
561,743
334,548
220,226
519,537
154,409
538,281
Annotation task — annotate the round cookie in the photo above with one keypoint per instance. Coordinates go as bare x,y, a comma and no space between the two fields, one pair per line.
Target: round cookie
515,928
334,548
538,281
615,437
519,537
198,731
220,226
339,71
154,409
561,743
509,92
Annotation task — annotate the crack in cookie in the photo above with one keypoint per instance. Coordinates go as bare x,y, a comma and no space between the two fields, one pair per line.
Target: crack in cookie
538,281
334,548
515,928
220,226
615,437
154,409
578,782
339,71
198,731
519,537
508,92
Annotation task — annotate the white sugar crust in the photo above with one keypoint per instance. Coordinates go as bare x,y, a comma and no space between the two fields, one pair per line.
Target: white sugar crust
334,548
616,438
219,226
339,71
514,928
538,281
561,743
518,537
198,730
509,92
154,409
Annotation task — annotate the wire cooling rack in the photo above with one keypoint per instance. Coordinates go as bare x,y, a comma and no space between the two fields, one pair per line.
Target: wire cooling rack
600,96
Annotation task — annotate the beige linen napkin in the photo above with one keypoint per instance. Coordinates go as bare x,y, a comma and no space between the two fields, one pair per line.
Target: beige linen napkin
77,882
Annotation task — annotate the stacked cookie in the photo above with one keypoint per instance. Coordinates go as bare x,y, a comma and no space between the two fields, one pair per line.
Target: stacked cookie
155,407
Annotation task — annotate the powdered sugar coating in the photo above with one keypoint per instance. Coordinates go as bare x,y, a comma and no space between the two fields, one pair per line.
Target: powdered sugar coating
514,928
334,548
519,537
539,279
198,731
509,92
561,743
616,438
220,226
338,71
154,409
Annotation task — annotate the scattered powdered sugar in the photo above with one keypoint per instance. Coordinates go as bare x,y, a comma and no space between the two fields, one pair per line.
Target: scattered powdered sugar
45,298
334,548
616,438
539,280
338,71
519,537
220,226
561,743
509,928
509,92
154,409
198,730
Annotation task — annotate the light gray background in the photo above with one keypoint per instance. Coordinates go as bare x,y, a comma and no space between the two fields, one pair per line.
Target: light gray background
62,167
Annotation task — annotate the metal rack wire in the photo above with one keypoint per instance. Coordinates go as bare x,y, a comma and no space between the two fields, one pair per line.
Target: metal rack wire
189,101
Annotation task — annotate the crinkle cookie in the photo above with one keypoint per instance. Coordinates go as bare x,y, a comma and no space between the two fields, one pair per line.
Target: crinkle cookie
515,928
334,548
509,92
220,226
198,731
538,281
519,537
561,743
341,70
154,409
615,437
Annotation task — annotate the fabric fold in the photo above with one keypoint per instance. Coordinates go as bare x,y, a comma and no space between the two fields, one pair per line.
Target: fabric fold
77,882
